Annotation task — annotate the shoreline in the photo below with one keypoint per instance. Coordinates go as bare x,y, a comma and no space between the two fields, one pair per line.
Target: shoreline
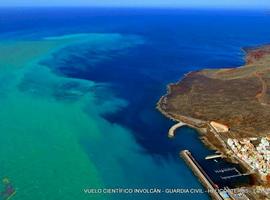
163,98
211,138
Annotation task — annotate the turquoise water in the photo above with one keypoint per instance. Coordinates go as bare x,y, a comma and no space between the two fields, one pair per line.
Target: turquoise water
48,119
79,89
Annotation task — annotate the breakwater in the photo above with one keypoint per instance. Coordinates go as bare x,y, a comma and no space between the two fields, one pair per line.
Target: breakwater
172,130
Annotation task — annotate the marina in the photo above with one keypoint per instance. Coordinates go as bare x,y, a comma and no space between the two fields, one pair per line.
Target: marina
214,190
199,172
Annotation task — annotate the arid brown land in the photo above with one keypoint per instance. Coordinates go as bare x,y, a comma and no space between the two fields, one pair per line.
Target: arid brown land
237,97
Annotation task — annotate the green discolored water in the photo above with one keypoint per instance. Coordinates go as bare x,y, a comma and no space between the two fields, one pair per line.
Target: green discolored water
54,140
40,134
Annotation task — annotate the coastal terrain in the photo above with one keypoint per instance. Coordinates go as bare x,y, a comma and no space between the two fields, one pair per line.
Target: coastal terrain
231,109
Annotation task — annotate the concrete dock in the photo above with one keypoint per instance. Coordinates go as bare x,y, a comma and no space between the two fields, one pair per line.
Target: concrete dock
214,156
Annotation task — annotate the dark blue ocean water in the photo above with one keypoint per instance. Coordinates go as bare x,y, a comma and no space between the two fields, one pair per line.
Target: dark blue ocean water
176,42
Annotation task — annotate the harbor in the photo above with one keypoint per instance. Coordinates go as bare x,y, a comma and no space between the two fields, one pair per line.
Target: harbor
218,188
199,172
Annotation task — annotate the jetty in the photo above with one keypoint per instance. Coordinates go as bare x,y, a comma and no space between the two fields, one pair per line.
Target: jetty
172,130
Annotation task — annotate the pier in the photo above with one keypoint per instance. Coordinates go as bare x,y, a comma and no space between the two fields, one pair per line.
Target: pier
213,156
172,130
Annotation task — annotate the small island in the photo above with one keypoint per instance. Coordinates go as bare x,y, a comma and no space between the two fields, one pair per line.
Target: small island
231,110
